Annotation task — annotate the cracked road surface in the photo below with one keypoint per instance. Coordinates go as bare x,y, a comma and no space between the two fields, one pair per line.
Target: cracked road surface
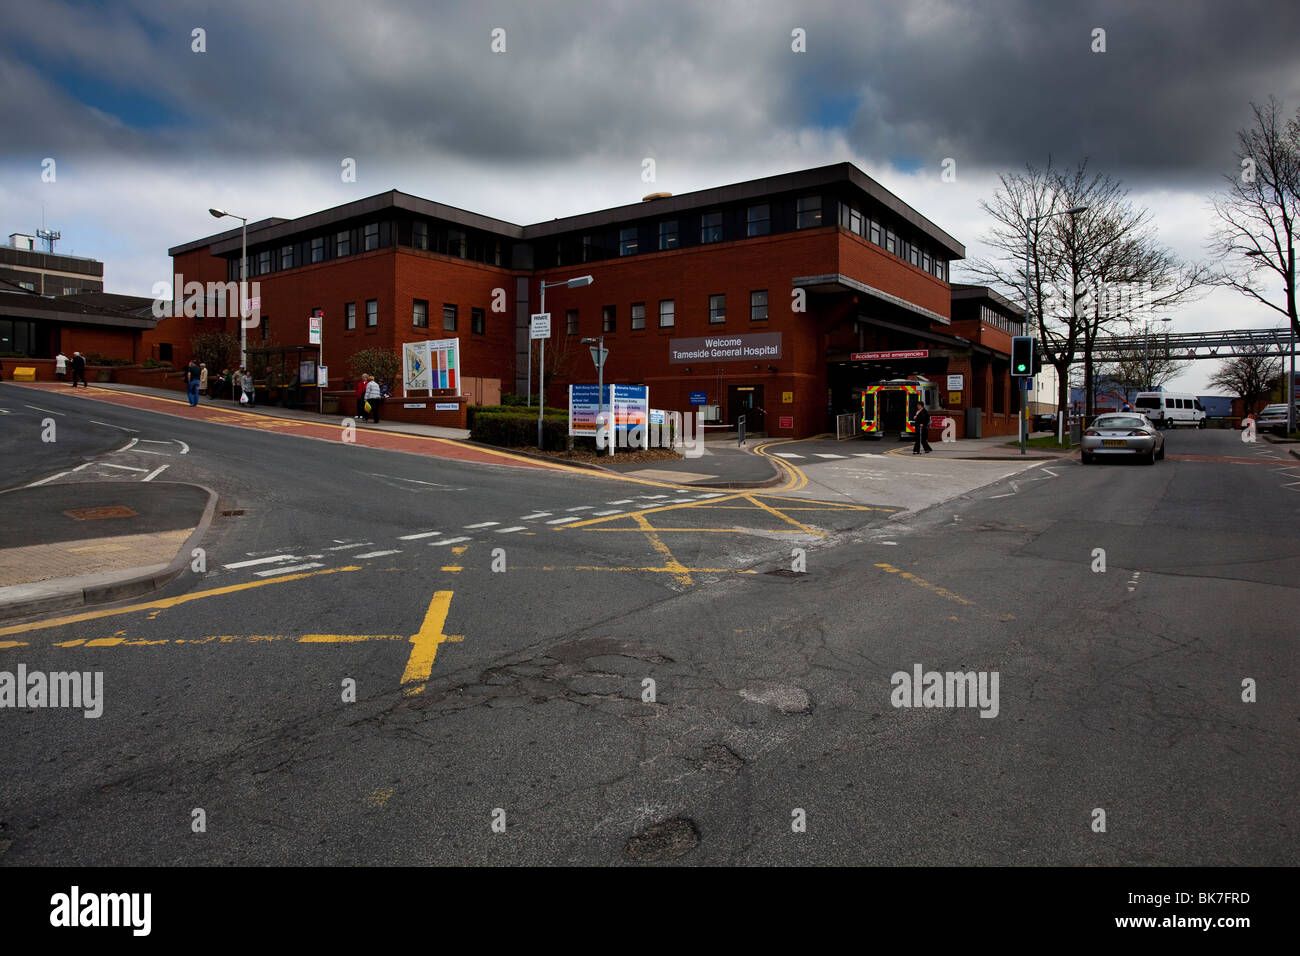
653,683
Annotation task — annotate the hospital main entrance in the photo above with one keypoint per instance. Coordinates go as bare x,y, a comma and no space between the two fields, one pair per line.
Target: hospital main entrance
745,400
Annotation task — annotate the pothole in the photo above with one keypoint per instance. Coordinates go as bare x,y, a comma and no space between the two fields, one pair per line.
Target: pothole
786,698
667,840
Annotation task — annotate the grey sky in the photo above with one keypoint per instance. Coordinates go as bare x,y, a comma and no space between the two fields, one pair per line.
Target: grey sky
147,134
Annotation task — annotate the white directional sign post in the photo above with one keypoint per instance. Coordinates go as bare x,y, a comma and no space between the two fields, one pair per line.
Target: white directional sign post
316,336
539,327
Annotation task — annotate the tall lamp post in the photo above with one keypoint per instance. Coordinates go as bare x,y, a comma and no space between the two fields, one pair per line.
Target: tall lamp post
243,281
1029,222
598,354
574,283
1146,349
1291,310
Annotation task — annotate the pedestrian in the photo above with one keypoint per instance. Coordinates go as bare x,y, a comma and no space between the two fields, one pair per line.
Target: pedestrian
236,384
203,378
374,398
61,366
79,370
361,396
192,376
249,389
922,423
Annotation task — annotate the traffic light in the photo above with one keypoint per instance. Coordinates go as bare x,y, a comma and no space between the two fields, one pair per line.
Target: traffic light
1022,355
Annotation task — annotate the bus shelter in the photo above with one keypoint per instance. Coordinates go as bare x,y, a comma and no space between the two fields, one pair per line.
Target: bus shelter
288,376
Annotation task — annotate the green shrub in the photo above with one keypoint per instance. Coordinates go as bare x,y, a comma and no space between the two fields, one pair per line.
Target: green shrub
96,358
472,410
512,430
511,399
152,362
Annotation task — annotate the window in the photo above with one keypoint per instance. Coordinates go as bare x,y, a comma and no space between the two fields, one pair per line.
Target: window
758,305
317,249
808,212
889,240
717,309
448,317
286,257
638,315
69,290
1169,403
759,220
608,318
926,264
587,251
29,286
571,322
164,351
477,321
343,243
913,256
266,327
420,235
668,234
264,262
875,232
854,224
627,241
420,314
350,317
666,316
372,236
372,313
456,243
711,227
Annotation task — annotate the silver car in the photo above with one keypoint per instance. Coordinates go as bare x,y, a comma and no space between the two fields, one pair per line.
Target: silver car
1272,419
1123,433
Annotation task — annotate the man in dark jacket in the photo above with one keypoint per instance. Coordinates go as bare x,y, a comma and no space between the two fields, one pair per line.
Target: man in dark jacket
192,375
922,423
79,370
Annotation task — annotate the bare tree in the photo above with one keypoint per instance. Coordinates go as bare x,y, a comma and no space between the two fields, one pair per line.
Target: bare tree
1088,272
1142,372
1248,376
1260,210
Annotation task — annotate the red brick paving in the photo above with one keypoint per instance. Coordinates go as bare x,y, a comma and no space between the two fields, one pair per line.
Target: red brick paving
367,437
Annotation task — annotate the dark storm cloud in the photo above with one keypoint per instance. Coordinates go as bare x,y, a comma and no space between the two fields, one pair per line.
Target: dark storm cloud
992,85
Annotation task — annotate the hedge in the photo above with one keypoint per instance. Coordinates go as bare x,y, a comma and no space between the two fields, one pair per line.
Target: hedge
474,410
513,430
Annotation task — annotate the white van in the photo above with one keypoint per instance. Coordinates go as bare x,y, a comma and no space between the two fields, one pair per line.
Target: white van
1171,409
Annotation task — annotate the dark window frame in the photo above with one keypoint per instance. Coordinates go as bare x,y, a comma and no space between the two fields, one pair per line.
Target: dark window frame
372,313
633,319
450,314
415,313
754,305
672,314
718,316
477,321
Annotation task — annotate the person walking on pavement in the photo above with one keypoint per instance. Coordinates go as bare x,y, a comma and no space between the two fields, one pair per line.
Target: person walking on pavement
203,378
361,396
61,366
192,373
374,398
249,389
236,384
79,370
922,423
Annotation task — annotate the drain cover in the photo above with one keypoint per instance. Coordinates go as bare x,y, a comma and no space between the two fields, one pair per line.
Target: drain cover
663,841
95,514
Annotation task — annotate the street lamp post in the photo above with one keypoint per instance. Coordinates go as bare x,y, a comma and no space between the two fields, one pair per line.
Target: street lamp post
1291,323
573,283
600,383
243,280
1029,222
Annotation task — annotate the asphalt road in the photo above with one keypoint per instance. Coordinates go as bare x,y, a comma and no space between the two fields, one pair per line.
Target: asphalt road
523,697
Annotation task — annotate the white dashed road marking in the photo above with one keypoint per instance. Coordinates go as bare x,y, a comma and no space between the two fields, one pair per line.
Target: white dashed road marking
272,560
517,527
481,524
422,534
292,567
535,515
570,518
378,554
436,544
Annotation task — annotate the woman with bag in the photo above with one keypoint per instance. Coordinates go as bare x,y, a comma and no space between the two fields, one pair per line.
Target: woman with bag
374,400
361,396
249,393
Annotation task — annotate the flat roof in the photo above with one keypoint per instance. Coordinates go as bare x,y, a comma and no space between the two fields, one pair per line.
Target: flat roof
122,311
275,229
962,290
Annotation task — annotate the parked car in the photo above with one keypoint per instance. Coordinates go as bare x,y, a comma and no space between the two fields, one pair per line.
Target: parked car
1171,409
1044,423
1273,418
1122,434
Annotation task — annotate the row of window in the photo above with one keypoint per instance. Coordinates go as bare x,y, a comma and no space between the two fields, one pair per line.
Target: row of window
668,313
450,317
997,320
853,219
